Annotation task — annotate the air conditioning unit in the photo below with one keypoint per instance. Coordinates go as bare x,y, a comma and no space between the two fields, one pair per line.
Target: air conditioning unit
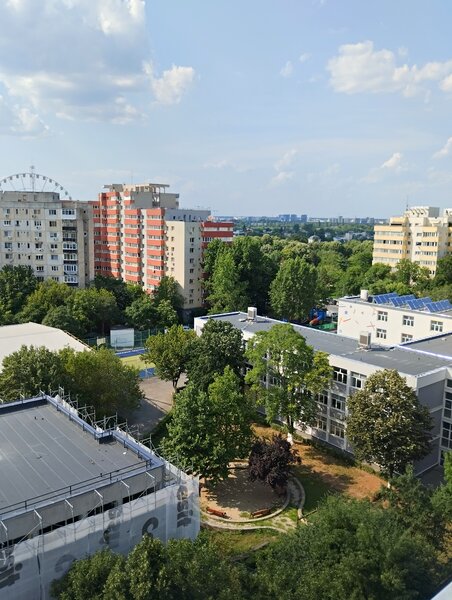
365,339
252,313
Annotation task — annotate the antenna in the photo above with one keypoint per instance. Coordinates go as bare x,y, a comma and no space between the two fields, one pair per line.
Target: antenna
32,177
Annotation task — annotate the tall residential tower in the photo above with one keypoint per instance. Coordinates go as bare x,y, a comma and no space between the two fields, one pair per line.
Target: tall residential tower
141,235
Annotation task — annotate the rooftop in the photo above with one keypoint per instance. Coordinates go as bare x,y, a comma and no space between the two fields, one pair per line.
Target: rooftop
403,359
405,302
44,449
13,337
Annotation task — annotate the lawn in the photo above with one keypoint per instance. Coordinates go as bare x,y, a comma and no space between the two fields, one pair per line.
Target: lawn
233,543
136,361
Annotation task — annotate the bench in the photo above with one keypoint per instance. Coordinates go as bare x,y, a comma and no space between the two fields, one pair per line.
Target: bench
217,513
263,512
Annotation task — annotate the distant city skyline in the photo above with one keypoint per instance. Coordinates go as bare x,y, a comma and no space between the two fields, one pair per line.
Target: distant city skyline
264,107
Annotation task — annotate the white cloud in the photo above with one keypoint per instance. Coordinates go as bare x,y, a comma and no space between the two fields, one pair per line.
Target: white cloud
83,59
360,68
281,177
445,150
20,121
286,160
287,69
304,57
171,86
219,164
393,163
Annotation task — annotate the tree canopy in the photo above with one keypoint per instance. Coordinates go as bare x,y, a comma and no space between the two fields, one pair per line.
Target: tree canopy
291,371
219,346
16,284
270,461
209,429
97,377
400,424
170,352
293,291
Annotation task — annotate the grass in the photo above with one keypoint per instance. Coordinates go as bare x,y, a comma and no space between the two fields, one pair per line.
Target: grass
315,488
233,543
136,361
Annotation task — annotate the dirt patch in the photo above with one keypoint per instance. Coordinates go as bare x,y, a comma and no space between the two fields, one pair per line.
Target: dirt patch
238,497
336,475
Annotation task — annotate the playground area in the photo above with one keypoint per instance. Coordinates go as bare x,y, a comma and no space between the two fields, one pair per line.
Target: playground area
134,358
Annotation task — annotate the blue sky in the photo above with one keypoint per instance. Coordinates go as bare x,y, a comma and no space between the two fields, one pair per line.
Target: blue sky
324,107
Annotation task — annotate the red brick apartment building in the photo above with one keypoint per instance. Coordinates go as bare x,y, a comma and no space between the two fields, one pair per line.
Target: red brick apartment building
141,235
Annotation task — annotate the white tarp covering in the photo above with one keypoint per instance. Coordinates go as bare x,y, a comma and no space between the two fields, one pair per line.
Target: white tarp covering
28,568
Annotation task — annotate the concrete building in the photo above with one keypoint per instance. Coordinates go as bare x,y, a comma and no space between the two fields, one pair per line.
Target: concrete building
426,365
72,486
421,235
390,319
141,235
50,233
13,337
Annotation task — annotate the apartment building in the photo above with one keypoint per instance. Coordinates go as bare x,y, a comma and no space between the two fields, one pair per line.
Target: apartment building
426,365
421,235
141,235
48,233
390,319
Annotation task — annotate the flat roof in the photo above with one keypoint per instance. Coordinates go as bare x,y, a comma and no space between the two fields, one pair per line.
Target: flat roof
438,345
13,337
43,451
400,358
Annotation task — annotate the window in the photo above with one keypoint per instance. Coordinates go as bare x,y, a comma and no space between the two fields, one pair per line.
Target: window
53,246
39,257
381,334
358,380
408,320
52,211
338,402
340,375
6,223
52,223
321,423
382,315
449,383
436,326
337,429
39,269
192,270
448,409
406,337
446,438
38,223
54,268
323,398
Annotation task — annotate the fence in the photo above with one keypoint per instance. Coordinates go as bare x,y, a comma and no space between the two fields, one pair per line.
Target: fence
139,339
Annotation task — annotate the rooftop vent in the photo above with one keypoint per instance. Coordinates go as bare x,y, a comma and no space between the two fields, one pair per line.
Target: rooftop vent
364,295
365,340
252,313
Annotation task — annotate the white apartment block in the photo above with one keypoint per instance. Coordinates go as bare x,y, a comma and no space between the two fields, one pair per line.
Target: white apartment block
390,319
420,235
426,365
51,235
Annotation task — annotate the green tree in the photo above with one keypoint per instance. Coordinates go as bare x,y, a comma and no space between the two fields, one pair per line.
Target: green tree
294,373
169,289
415,508
211,253
386,424
219,346
181,570
293,291
142,313
30,370
16,284
443,274
410,273
442,497
94,308
210,429
227,291
47,296
350,550
124,293
170,352
100,379
166,314
61,317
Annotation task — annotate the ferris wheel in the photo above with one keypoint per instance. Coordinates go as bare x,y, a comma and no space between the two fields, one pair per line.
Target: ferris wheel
32,182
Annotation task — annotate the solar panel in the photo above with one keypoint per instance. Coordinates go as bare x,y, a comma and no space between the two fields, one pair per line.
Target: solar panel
392,295
449,305
413,304
430,306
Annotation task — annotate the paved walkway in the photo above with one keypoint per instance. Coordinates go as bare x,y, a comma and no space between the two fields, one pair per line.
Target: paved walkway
157,403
